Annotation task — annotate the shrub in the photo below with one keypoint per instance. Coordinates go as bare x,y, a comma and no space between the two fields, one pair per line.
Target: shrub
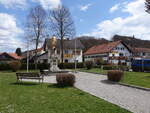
4,66
99,62
124,68
65,79
15,65
110,67
89,64
40,66
70,65
114,75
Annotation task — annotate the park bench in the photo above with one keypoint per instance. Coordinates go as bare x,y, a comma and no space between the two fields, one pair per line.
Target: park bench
30,75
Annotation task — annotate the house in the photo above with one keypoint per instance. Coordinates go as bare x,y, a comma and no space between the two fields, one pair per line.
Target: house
139,53
69,51
112,52
32,53
6,57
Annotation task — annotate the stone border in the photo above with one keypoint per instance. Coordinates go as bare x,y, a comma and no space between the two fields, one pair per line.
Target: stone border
133,86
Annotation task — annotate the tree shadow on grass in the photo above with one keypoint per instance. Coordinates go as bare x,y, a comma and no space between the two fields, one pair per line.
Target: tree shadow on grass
57,86
108,82
24,83
147,77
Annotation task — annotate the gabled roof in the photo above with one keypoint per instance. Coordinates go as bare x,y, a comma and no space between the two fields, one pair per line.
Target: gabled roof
38,50
104,48
13,55
141,50
68,44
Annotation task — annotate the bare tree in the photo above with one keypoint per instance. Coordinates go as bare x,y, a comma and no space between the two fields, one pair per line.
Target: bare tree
36,27
61,25
147,3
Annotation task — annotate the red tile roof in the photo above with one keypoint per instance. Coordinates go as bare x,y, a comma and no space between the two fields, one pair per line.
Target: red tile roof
104,48
13,55
141,50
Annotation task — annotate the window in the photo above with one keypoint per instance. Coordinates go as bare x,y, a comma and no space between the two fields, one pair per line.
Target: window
66,60
66,51
121,54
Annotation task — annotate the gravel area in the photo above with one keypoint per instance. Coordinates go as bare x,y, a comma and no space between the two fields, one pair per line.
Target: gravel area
132,99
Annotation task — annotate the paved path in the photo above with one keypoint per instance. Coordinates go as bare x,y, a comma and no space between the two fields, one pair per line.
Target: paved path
135,100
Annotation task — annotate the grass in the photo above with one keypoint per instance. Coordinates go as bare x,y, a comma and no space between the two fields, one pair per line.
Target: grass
137,78
30,97
133,78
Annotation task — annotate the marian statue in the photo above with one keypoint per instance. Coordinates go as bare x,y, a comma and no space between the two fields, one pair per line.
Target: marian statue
53,55
53,42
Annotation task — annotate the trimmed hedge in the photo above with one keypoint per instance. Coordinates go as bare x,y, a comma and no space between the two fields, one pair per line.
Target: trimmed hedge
65,79
115,75
40,66
70,65
89,64
15,65
116,67
4,66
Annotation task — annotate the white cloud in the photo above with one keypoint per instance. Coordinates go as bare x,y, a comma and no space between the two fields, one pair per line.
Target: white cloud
14,3
85,7
8,33
137,23
48,4
114,8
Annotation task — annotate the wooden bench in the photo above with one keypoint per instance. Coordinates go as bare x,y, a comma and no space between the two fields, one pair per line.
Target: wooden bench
30,75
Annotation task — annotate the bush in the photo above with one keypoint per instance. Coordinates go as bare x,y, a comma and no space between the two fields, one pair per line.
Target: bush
99,62
115,75
110,67
15,65
65,79
40,66
124,68
88,64
70,65
4,66
116,67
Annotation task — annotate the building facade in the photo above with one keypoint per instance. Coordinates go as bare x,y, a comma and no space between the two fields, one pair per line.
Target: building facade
71,53
113,52
140,53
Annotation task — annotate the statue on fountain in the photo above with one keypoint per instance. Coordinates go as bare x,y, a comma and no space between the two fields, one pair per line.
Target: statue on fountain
53,55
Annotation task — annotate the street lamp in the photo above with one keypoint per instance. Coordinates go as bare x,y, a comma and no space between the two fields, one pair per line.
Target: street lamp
75,56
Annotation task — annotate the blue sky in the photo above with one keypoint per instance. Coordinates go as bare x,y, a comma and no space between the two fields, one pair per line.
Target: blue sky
99,18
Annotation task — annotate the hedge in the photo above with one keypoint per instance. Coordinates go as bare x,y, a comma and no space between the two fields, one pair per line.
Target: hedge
116,67
70,65
41,66
4,66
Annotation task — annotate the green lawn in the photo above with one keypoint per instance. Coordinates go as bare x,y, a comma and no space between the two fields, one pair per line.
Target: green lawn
133,78
48,98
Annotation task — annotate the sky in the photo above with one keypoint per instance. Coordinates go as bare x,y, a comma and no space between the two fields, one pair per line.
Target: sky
99,18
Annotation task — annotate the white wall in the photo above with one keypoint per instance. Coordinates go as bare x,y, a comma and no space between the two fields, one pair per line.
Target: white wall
120,49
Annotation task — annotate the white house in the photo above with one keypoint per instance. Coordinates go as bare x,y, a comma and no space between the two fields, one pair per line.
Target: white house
113,52
139,53
69,51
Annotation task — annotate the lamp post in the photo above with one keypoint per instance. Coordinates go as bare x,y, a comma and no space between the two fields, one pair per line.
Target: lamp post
75,56
28,56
